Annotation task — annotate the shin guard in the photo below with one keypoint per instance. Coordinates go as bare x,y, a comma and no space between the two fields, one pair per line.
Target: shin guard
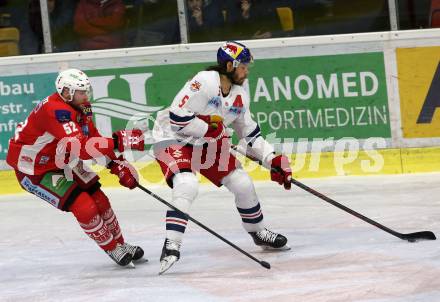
108,215
86,212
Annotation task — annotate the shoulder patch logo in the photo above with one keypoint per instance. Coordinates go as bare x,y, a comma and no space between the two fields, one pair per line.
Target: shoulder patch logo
63,116
195,86
44,160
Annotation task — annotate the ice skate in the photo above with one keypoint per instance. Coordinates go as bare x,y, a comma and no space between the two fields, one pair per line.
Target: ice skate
136,252
269,240
170,255
120,256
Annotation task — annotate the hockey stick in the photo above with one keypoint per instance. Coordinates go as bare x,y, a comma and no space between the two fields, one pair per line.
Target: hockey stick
411,237
262,263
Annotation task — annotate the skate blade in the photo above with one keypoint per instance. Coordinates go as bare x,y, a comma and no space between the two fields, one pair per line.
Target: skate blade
273,249
140,261
166,263
130,265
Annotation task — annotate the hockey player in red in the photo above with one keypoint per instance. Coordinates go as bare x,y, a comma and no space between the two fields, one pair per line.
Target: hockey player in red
191,138
47,154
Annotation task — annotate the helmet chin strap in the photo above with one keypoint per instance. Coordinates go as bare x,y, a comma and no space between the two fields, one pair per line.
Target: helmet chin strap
71,95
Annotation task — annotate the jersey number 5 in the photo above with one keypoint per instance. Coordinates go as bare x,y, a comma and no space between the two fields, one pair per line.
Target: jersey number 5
183,101
70,127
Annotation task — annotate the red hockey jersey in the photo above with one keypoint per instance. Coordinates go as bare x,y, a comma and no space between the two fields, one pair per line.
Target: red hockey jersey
33,148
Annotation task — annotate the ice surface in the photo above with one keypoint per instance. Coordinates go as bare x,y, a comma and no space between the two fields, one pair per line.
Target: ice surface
45,256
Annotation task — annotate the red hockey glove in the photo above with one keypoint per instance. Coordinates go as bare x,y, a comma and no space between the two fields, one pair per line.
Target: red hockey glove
280,171
127,174
209,119
216,129
128,140
215,132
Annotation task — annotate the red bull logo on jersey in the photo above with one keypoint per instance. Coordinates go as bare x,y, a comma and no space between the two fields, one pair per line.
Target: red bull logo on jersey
233,50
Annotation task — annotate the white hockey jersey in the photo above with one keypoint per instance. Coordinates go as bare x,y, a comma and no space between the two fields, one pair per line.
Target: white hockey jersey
202,96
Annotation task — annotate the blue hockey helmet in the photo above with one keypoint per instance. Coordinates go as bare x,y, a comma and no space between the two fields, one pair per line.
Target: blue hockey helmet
234,52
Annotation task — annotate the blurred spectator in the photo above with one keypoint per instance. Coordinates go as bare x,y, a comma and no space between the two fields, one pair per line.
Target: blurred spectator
204,19
252,19
434,14
413,14
100,24
5,14
61,24
158,23
324,17
14,13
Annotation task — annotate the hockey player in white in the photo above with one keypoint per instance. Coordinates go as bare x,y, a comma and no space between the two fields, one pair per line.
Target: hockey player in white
192,138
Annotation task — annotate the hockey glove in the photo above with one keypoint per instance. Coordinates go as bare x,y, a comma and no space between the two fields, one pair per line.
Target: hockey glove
127,174
209,119
128,140
216,131
280,171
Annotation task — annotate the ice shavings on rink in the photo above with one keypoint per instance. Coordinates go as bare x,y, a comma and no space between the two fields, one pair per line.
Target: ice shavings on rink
45,256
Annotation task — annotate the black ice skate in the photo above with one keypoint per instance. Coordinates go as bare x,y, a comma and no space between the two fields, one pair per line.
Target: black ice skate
136,251
170,255
120,256
269,240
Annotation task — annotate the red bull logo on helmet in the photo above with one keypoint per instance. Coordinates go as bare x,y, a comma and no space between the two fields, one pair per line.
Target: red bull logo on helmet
232,49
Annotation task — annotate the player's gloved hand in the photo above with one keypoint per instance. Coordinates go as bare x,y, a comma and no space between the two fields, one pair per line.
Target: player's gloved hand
209,119
215,132
280,171
128,140
216,129
127,174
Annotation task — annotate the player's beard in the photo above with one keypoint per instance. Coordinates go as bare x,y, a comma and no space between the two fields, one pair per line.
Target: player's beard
237,81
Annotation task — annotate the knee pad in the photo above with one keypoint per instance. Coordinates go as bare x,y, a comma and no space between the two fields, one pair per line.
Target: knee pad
107,214
87,214
185,190
241,185
248,206
84,208
101,201
186,186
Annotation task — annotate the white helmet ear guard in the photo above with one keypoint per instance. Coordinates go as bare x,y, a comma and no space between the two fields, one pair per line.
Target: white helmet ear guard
72,79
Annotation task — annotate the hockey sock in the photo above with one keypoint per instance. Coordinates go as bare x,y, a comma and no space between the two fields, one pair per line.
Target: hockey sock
108,215
248,206
185,189
86,212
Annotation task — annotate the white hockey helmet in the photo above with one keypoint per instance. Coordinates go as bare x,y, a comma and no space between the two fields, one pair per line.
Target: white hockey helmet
72,79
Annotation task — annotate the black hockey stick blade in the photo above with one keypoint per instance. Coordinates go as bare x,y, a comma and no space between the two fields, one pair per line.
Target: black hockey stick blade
265,264
418,236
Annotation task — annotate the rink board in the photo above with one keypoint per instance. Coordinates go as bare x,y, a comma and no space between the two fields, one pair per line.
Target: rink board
353,85
306,165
